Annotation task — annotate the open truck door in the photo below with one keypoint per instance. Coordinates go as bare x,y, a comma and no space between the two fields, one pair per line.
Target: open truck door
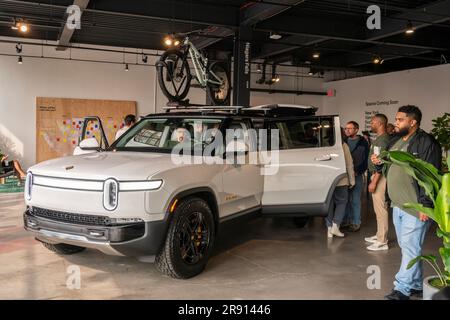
92,138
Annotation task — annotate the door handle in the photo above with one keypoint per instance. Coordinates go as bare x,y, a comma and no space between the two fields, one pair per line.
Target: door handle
323,157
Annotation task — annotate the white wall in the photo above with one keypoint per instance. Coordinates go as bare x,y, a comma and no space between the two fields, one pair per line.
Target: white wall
36,77
427,88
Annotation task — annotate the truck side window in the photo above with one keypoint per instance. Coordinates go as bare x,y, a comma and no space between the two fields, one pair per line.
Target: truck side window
305,133
327,132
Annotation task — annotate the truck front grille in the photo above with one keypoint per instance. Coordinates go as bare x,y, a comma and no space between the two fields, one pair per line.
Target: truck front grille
82,219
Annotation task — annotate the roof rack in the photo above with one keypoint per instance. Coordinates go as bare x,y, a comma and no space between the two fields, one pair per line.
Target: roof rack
282,109
185,105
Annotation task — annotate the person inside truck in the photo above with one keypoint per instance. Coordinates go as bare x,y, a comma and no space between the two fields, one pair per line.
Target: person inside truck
129,121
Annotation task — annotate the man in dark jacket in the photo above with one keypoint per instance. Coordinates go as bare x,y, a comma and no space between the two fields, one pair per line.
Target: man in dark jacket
359,148
410,225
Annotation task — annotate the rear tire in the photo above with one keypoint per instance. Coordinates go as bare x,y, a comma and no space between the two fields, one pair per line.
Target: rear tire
219,95
62,248
190,240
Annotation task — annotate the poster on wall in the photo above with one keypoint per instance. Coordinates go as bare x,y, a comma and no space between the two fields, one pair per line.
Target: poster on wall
371,108
59,123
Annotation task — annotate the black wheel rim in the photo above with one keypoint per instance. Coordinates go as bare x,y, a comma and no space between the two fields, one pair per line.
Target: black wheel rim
194,238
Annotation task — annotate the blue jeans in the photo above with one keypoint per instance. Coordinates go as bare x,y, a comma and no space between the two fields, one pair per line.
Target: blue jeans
353,210
337,212
410,236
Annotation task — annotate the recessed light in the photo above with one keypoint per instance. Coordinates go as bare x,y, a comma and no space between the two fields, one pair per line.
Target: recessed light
275,36
409,28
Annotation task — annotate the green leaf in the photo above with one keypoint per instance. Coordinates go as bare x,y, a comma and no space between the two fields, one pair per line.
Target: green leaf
430,258
445,255
420,208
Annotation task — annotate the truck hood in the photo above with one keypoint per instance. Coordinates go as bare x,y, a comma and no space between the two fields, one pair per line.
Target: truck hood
100,166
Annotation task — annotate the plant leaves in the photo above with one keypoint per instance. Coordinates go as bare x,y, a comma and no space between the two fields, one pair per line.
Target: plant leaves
430,258
428,211
445,255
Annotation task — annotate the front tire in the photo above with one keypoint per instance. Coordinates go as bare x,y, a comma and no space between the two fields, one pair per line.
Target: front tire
62,248
190,240
174,75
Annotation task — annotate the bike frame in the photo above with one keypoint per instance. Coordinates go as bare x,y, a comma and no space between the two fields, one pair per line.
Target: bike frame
200,64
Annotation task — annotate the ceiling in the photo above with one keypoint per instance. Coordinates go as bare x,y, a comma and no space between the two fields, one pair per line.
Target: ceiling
334,28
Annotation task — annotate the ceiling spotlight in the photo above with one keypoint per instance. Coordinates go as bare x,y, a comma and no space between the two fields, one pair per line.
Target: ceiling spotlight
23,27
275,36
262,80
316,55
19,48
126,67
144,58
312,72
19,60
275,77
168,41
377,60
409,28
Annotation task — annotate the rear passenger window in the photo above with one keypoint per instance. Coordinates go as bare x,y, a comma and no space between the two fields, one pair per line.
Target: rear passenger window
305,133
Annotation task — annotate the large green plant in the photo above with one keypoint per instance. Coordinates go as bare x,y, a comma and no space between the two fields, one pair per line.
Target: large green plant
437,188
441,131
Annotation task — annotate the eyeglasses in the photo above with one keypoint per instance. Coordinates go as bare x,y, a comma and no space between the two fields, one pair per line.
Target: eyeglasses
348,129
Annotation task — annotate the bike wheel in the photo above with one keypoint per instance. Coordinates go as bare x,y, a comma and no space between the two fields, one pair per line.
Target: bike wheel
219,94
174,75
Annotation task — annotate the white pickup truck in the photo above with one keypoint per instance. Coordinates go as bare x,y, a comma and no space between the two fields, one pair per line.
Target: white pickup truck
133,199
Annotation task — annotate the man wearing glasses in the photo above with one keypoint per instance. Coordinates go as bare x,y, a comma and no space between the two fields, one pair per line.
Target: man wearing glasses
359,149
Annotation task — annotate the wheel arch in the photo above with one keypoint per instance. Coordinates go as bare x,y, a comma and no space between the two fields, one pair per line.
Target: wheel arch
205,193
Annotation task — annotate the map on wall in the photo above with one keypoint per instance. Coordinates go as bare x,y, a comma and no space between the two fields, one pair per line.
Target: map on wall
59,123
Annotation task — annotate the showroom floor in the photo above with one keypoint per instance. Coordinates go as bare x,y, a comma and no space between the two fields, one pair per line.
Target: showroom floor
261,259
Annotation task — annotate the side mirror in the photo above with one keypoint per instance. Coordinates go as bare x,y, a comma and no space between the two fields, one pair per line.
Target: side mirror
88,145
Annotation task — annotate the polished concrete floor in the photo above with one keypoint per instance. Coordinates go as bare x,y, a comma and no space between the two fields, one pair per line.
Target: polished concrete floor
260,259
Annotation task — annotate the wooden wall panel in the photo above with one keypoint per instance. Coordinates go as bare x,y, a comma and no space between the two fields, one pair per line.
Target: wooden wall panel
59,121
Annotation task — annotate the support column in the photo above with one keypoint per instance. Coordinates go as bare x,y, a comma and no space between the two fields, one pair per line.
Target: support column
242,67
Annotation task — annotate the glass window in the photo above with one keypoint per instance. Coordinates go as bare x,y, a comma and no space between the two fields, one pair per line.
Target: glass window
166,133
305,133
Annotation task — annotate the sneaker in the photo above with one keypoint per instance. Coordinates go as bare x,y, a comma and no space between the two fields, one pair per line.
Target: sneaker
377,246
396,295
416,293
336,232
354,227
372,239
329,233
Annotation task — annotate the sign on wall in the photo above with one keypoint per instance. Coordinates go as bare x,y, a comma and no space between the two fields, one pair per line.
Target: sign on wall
371,108
59,122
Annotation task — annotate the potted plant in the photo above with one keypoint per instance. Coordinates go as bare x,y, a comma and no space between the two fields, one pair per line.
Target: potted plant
437,188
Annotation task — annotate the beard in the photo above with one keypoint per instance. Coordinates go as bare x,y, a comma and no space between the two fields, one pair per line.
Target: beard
402,132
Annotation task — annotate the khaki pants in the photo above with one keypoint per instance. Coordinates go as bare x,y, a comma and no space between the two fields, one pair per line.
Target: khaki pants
381,210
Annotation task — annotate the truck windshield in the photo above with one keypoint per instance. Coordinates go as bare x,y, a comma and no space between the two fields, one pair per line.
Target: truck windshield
163,134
